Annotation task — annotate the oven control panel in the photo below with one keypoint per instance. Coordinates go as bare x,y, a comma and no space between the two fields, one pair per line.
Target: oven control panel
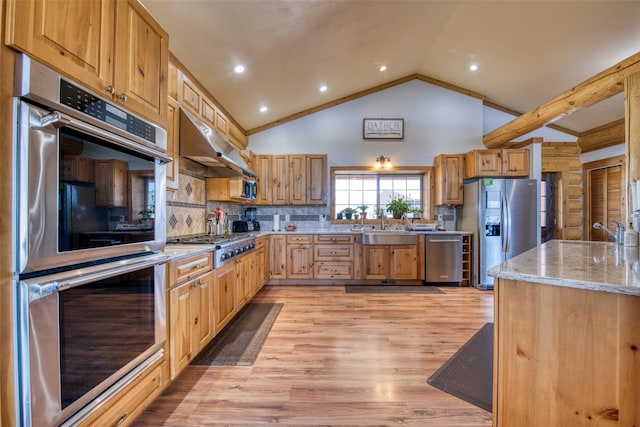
81,100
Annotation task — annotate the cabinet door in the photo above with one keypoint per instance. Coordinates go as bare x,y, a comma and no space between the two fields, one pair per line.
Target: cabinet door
181,312
483,163
261,268
403,262
241,282
75,37
280,177
297,179
278,257
316,179
141,62
376,261
204,322
224,298
173,146
263,164
515,162
448,183
299,261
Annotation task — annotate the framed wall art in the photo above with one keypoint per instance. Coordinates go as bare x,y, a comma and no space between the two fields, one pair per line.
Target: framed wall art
383,128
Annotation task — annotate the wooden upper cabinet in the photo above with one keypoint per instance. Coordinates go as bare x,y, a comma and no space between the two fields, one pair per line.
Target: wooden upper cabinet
497,162
317,179
114,47
515,162
297,179
280,179
262,166
142,61
449,171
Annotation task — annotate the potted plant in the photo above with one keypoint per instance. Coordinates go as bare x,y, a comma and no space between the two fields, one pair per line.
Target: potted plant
363,210
348,212
398,206
417,212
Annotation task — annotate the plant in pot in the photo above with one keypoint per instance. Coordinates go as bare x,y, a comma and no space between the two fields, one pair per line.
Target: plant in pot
398,207
348,213
363,211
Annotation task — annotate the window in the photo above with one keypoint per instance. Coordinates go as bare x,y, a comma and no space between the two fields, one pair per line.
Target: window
354,188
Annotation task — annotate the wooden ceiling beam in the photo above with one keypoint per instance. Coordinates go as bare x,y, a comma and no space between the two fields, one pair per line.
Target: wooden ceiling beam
603,85
602,136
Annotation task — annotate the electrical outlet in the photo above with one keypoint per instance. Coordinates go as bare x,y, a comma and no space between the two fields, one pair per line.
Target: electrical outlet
287,218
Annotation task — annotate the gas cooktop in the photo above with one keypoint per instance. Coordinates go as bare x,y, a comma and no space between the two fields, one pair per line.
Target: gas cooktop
207,239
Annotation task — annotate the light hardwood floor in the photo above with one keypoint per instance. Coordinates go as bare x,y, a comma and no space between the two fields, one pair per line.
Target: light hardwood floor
338,359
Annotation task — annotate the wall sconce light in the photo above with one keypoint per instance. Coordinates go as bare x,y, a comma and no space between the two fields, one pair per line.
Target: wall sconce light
383,162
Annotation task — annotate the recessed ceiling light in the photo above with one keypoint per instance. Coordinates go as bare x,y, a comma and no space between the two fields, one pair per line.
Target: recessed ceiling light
323,88
383,67
473,67
239,69
263,109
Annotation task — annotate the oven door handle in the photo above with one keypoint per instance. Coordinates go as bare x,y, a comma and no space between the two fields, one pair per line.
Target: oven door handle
105,274
58,120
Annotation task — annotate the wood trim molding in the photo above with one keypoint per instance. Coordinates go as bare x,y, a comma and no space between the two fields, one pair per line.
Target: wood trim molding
362,93
598,88
602,136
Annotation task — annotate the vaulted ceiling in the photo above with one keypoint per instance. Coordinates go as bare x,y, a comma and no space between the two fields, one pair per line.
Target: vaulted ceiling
527,52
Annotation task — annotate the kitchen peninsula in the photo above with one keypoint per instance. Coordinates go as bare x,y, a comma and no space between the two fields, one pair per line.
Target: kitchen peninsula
566,348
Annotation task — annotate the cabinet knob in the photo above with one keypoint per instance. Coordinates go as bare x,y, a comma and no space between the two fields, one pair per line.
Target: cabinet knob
121,419
123,97
110,89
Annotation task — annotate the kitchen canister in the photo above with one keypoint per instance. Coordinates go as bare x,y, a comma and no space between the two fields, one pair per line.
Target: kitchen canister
631,238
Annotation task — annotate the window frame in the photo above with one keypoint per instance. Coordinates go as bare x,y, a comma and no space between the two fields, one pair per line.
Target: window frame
426,197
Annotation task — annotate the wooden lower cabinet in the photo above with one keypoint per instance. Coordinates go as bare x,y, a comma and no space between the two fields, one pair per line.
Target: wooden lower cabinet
191,320
246,279
262,262
390,262
278,257
300,257
122,410
224,295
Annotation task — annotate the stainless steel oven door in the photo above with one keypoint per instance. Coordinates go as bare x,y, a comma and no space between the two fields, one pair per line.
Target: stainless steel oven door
84,330
46,140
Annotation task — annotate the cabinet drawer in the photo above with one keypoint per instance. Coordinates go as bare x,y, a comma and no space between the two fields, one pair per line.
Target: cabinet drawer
334,238
333,270
129,404
299,238
333,252
189,268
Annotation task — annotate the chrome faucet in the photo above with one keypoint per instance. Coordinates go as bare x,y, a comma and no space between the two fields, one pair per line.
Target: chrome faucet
617,237
381,215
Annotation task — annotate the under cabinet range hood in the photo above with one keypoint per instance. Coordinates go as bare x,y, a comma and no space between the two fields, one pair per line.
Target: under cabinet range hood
202,144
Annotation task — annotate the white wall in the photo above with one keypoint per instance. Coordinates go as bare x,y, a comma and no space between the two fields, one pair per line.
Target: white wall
436,120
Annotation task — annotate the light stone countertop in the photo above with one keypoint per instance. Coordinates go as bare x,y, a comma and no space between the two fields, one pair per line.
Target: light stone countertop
179,251
594,266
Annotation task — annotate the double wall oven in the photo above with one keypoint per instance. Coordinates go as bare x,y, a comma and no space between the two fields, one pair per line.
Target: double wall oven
89,232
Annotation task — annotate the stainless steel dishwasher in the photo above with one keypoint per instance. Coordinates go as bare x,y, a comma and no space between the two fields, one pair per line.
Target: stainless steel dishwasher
443,258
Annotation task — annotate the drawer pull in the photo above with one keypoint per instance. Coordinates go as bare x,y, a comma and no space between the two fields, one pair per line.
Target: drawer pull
121,419
195,267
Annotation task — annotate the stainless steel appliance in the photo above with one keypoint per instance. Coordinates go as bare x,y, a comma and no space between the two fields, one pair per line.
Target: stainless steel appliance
89,224
241,226
227,248
443,258
503,215
251,215
85,331
68,137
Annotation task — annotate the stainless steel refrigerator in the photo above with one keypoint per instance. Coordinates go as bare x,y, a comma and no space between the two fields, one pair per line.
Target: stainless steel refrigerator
503,216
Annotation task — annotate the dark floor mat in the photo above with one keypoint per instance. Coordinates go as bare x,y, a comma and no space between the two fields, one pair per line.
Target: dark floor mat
240,342
391,289
468,374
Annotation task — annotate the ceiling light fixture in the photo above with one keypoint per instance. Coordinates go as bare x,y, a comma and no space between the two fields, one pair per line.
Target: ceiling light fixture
383,162
263,109
473,67
383,67
239,69
323,88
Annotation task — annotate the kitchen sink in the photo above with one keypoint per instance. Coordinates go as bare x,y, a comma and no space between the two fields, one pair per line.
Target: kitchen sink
389,238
